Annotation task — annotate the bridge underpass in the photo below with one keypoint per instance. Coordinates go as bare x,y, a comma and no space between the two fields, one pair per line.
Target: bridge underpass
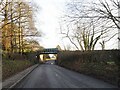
47,54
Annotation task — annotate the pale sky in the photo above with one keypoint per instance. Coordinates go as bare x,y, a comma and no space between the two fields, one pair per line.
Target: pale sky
47,21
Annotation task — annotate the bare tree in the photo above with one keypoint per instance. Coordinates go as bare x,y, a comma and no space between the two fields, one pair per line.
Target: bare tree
104,14
84,37
102,45
109,11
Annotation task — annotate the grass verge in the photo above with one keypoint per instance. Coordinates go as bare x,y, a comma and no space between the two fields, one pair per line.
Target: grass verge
10,67
106,72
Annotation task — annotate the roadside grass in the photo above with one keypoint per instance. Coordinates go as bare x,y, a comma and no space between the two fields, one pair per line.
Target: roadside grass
12,67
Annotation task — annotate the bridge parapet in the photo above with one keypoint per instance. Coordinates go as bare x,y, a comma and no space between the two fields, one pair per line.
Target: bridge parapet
48,51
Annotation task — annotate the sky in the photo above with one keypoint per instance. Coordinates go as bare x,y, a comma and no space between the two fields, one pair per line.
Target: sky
47,21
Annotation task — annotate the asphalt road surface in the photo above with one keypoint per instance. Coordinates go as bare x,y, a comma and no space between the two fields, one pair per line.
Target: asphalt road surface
53,76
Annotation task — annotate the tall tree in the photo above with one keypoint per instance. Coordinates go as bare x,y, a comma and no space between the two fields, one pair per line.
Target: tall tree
104,14
16,24
84,36
109,10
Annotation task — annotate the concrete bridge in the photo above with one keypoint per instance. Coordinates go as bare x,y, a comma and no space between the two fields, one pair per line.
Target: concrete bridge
48,51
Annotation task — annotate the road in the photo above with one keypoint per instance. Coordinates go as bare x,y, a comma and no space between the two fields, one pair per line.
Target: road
53,76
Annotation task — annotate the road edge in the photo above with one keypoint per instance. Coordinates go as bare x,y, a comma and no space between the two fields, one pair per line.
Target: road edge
13,85
21,78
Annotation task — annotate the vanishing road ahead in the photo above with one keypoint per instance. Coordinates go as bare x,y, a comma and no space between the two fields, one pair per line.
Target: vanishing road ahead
53,76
